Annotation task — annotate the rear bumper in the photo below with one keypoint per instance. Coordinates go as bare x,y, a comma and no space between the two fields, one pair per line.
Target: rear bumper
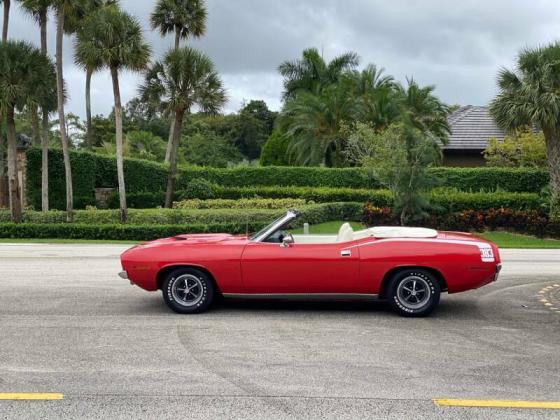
498,269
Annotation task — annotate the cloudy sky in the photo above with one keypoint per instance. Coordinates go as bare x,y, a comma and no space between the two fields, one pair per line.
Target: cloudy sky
457,46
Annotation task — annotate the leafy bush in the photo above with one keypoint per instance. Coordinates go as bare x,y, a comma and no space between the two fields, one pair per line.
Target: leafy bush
83,178
117,231
198,188
243,203
523,148
92,171
275,151
532,222
317,213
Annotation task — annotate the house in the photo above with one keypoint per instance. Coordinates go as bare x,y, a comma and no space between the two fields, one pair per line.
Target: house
471,127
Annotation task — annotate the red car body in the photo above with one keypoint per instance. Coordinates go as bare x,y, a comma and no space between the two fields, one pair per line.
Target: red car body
241,266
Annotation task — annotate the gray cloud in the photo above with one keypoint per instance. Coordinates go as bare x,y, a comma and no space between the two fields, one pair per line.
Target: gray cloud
457,46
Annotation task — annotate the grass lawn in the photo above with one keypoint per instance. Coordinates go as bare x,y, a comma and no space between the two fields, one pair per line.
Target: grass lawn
502,239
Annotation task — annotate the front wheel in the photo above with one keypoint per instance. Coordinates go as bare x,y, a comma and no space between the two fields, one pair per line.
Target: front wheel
188,291
414,292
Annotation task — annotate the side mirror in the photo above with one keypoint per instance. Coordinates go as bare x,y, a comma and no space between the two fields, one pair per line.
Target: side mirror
287,240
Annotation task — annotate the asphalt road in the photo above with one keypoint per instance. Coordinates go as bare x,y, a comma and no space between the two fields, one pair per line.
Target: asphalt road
69,325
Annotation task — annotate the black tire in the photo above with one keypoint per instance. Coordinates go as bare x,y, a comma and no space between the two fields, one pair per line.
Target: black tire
413,292
177,286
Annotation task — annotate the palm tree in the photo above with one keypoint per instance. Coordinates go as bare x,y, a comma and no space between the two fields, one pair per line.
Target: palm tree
6,20
314,122
420,107
69,13
183,79
186,19
2,141
312,73
530,95
114,38
91,65
376,96
28,79
39,10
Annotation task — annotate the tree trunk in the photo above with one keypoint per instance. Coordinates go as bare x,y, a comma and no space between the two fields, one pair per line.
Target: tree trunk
89,140
172,124
36,135
173,159
177,37
13,176
3,149
6,20
119,141
45,125
61,116
552,139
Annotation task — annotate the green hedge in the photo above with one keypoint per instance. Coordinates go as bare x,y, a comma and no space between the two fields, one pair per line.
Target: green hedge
445,200
83,178
147,224
315,213
116,231
93,170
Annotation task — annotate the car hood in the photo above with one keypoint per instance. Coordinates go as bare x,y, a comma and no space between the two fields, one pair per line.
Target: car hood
192,239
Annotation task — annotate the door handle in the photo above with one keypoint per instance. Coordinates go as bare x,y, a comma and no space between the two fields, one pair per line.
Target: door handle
346,253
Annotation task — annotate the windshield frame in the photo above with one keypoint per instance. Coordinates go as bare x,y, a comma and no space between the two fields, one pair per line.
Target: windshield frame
264,233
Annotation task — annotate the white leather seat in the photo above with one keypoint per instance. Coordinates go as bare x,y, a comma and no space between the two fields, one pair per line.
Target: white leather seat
345,233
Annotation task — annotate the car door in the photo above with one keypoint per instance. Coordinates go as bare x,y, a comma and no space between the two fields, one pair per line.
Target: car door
270,268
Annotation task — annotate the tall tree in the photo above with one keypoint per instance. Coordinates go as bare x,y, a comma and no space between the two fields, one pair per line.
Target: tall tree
529,95
69,13
184,18
183,79
90,65
28,79
5,23
315,121
39,10
6,20
114,38
312,73
420,107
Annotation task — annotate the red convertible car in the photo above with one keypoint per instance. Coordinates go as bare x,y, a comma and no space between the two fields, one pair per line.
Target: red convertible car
408,267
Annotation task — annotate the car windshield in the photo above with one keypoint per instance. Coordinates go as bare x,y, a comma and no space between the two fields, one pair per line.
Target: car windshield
263,230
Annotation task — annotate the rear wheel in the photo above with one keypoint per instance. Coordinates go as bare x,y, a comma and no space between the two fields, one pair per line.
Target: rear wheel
414,292
188,291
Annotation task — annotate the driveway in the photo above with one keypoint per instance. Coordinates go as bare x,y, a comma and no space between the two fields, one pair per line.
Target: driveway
70,326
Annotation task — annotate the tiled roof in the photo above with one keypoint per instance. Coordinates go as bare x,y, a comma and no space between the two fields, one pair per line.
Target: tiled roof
471,127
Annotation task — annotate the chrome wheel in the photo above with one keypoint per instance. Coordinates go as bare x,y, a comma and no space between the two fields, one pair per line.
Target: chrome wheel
187,290
413,292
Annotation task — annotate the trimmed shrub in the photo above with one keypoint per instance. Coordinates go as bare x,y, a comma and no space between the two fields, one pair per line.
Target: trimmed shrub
93,170
243,203
317,213
198,188
531,222
83,178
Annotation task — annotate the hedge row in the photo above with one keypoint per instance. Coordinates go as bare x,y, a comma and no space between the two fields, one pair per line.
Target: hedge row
116,231
532,222
93,170
444,201
316,213
528,222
